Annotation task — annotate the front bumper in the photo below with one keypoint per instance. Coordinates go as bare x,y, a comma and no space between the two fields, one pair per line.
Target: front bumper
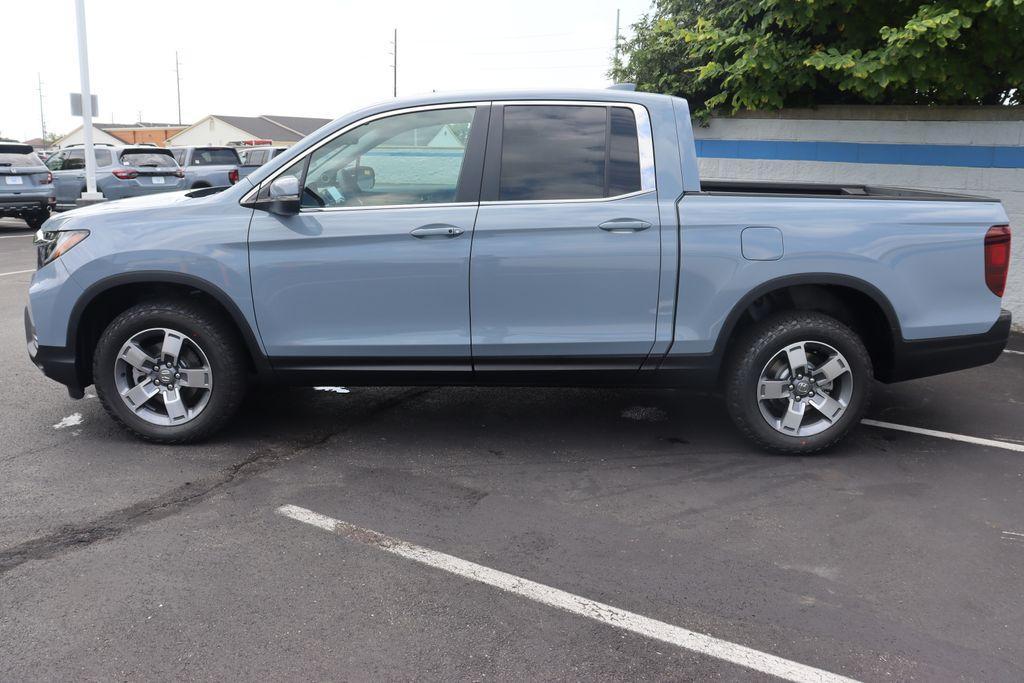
926,357
57,362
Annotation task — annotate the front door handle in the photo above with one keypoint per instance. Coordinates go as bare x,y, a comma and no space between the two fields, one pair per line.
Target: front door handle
437,230
624,225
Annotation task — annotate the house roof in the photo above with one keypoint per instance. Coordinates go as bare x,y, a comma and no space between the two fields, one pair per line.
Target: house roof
300,124
282,128
140,124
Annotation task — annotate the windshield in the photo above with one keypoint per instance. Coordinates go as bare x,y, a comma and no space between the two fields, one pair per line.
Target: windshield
140,159
215,157
19,160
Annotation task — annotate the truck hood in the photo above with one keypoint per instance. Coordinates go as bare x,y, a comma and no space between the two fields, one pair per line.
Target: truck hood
121,207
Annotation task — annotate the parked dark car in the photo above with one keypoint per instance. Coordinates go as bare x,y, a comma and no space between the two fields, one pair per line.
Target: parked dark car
26,185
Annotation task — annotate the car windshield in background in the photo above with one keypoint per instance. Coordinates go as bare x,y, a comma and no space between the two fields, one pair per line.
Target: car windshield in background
19,160
140,159
214,157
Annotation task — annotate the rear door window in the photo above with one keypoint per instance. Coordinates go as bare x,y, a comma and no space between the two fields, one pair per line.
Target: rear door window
215,157
56,162
74,161
552,152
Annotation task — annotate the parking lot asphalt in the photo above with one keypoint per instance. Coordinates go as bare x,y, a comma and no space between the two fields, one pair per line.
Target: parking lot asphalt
897,556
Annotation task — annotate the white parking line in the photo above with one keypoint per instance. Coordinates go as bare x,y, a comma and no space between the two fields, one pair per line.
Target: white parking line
1016,353
946,435
18,272
613,616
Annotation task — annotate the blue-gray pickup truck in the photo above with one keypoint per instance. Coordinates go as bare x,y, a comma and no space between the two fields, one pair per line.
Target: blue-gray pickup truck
208,166
517,238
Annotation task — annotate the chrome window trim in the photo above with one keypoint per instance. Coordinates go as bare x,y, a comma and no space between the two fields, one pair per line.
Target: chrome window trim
329,209
645,146
590,200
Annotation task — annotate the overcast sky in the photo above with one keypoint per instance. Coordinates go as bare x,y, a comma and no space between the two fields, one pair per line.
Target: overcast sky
298,58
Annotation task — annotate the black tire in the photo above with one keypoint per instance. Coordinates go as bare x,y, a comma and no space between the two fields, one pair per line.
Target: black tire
36,220
755,350
211,332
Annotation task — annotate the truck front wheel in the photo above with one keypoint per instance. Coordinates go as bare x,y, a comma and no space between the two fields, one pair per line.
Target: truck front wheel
798,382
170,371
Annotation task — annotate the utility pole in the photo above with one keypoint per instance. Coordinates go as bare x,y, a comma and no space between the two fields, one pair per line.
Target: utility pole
177,76
394,65
616,62
42,118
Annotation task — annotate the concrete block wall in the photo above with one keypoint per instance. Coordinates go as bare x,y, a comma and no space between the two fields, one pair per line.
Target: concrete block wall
970,150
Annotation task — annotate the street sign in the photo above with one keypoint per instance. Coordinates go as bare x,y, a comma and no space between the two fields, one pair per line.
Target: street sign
76,104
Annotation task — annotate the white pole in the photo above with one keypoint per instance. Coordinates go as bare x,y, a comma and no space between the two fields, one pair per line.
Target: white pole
83,67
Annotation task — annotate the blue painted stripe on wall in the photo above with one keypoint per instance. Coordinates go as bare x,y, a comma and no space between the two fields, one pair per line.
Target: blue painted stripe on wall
864,153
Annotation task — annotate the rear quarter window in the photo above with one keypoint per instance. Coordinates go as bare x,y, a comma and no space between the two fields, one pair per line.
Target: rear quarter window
19,161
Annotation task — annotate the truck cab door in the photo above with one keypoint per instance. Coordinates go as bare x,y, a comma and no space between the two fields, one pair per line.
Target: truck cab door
371,276
566,250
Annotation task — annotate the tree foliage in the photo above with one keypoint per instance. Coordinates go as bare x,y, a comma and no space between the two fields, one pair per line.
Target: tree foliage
767,54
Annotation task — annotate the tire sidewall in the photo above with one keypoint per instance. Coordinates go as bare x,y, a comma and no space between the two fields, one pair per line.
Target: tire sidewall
223,366
774,336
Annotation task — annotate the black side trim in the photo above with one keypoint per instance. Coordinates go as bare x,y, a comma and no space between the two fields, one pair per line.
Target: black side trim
263,368
913,359
373,371
509,371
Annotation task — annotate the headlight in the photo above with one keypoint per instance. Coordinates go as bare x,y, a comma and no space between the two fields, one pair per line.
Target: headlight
52,244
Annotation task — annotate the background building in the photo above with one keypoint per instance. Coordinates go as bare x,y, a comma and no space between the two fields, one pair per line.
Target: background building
217,129
124,133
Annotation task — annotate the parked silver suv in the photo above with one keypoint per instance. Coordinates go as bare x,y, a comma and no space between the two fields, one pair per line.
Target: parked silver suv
120,172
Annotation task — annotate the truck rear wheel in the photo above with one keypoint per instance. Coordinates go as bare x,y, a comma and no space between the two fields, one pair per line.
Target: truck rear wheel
798,382
170,371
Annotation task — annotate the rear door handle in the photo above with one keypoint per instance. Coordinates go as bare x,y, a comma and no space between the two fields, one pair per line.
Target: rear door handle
624,225
437,230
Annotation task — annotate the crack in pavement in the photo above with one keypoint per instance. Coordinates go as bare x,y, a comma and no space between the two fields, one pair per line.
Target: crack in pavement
114,523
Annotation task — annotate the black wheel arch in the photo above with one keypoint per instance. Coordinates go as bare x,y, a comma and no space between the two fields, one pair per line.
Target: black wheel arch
81,328
881,355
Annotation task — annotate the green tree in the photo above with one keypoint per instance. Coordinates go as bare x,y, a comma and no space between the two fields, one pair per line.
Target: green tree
767,54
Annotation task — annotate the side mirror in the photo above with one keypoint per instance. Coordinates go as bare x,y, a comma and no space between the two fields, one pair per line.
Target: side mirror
282,197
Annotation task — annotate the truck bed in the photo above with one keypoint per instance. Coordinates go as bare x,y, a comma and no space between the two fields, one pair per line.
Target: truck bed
824,190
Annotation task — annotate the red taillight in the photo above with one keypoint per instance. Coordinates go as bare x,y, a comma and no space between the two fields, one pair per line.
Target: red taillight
997,258
125,175
233,175
179,173
46,179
